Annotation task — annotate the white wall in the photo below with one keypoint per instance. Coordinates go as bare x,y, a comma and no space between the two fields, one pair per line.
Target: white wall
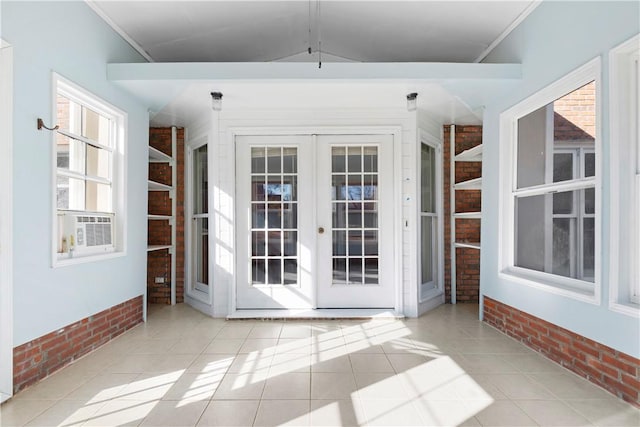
67,38
554,40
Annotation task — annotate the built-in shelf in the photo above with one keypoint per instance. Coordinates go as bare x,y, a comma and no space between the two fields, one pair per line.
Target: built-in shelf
157,156
471,155
156,186
151,248
472,184
472,245
159,217
468,215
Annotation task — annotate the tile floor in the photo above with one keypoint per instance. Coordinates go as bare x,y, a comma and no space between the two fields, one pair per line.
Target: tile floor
182,368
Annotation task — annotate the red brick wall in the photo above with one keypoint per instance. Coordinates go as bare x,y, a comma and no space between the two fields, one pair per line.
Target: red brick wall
467,260
610,369
43,356
575,115
159,262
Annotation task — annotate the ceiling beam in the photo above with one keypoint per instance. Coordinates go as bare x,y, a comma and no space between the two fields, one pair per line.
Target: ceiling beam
260,71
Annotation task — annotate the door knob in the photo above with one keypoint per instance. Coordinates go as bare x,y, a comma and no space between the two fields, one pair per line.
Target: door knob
320,230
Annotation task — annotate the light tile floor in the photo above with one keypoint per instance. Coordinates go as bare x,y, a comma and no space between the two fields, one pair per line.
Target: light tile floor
182,368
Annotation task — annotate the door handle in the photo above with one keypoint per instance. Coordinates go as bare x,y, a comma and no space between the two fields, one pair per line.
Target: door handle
320,230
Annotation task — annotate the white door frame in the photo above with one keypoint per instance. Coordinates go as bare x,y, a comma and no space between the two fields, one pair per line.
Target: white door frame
396,131
6,221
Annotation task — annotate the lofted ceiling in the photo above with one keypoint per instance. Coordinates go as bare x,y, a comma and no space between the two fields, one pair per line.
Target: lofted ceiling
373,34
360,31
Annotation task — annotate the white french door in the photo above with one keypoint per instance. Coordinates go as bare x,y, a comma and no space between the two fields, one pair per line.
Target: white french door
355,221
314,221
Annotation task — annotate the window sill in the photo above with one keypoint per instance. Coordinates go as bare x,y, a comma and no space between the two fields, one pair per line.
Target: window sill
628,309
63,262
570,288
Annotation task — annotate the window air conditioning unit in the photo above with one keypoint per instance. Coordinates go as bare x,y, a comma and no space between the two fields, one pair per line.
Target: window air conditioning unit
87,233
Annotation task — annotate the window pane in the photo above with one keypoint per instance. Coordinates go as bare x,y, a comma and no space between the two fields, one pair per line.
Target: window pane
562,167
548,241
98,162
257,160
590,164
553,135
588,249
70,154
200,180
201,243
426,245
70,193
563,202
427,164
68,115
274,160
98,197
95,126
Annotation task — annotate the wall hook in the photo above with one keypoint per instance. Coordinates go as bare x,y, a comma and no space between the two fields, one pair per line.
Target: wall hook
41,125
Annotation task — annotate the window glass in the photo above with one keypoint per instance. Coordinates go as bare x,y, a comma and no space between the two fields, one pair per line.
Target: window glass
554,227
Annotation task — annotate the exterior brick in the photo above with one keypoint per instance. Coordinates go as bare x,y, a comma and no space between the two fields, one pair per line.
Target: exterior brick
39,358
616,372
467,230
159,232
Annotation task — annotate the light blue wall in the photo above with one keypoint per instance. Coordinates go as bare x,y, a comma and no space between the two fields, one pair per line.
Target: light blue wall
554,40
68,38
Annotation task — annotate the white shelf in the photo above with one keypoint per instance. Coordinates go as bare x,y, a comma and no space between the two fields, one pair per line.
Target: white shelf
468,215
156,186
472,245
157,156
152,248
159,217
472,184
471,155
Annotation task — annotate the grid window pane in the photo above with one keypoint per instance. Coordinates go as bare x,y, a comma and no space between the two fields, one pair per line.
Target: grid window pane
355,215
274,215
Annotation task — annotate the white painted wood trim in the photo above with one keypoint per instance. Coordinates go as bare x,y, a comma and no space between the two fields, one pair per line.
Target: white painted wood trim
555,284
620,131
395,131
6,222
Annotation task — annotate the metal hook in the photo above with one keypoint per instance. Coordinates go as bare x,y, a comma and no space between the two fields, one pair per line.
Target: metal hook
41,125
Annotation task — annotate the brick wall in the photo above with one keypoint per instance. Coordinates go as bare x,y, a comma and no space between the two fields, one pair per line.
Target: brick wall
575,115
467,260
43,356
159,262
610,369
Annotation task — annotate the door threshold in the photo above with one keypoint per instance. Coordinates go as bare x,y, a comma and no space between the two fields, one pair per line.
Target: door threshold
319,314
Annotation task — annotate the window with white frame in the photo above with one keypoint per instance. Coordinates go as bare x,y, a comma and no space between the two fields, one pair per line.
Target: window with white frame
88,156
624,292
550,198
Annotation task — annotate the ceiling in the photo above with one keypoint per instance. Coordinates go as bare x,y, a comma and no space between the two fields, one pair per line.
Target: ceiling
361,31
370,33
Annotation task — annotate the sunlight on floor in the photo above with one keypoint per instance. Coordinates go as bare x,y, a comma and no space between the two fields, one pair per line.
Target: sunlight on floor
182,368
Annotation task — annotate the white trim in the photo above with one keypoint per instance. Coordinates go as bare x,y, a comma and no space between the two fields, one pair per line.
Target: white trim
92,4
395,131
6,221
512,26
436,144
190,288
587,73
119,123
621,139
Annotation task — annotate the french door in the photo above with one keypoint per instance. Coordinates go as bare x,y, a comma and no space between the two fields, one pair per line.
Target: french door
312,228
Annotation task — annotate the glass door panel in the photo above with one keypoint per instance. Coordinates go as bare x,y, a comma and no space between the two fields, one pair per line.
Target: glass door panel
274,216
354,177
428,220
200,219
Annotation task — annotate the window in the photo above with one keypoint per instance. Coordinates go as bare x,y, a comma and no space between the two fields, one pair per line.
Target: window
550,224
624,291
88,147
